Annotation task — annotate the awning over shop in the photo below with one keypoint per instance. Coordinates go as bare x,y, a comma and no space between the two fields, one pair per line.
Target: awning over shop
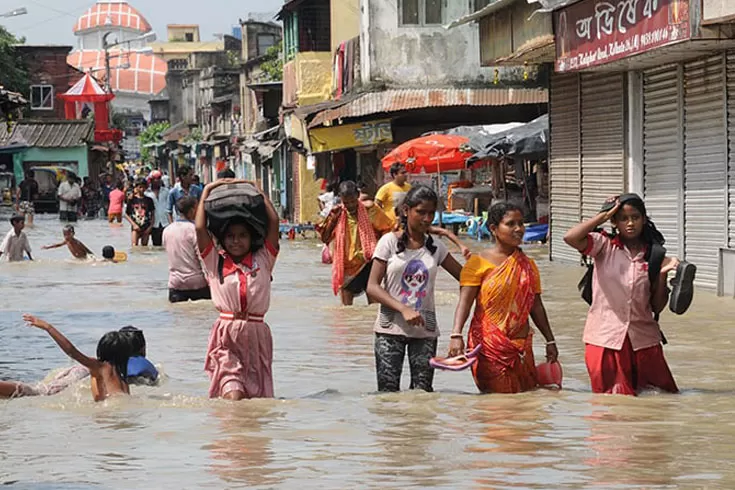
539,50
176,132
528,141
389,101
487,10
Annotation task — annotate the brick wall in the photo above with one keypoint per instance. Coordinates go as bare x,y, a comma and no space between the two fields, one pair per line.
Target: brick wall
47,66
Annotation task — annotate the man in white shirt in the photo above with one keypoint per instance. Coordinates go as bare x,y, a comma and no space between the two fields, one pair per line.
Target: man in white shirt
69,196
16,241
159,194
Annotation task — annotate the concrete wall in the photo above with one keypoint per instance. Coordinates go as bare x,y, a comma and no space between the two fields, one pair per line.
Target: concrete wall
308,193
419,56
345,21
53,156
313,73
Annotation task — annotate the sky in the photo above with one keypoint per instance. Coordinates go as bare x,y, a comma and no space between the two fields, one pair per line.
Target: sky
51,21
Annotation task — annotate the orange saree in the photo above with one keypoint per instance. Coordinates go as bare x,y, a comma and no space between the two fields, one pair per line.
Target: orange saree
507,294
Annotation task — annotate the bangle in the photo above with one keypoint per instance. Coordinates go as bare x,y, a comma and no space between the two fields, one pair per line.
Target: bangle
456,336
551,342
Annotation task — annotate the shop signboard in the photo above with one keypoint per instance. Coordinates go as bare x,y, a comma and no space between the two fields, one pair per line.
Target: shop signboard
335,138
594,32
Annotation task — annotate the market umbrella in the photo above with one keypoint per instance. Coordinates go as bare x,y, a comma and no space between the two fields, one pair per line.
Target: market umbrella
435,153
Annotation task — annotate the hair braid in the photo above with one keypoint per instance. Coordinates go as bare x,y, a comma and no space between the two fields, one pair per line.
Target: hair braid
403,240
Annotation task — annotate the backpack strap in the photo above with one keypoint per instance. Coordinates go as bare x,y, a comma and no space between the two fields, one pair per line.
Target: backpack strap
656,256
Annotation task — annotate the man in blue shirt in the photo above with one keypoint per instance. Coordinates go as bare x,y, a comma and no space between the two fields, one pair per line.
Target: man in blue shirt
184,188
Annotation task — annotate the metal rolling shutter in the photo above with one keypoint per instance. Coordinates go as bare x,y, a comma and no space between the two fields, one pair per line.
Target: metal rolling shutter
663,164
705,176
603,139
564,163
731,159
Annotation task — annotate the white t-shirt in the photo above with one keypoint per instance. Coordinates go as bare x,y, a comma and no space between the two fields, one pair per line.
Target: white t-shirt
14,245
69,191
328,200
410,278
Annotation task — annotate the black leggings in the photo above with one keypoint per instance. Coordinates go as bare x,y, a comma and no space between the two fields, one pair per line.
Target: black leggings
180,295
390,351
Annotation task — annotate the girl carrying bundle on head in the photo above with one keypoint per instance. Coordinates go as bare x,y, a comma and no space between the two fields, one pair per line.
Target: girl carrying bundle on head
402,280
505,286
238,267
623,349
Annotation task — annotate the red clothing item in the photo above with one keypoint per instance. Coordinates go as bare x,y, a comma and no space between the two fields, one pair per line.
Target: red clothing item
117,197
621,297
626,372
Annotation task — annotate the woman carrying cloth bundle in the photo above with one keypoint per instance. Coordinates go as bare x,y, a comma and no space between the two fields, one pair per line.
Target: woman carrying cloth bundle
506,287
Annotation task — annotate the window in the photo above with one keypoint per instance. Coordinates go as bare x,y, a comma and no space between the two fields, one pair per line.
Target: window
265,41
422,12
481,4
189,37
42,97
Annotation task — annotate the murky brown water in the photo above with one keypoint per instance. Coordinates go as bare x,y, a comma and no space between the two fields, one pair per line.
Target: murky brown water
328,429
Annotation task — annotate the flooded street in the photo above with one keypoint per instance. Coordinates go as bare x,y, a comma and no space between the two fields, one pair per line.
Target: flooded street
328,428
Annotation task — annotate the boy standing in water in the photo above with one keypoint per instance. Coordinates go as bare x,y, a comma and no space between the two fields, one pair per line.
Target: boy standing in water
390,196
77,248
16,241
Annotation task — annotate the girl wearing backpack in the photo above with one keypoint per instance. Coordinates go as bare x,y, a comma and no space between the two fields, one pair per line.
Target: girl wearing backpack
624,352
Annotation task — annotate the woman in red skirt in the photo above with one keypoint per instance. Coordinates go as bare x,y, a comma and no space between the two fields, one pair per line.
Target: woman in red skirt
623,350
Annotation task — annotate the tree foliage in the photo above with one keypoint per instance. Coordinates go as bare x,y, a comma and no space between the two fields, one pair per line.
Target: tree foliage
151,134
272,64
13,72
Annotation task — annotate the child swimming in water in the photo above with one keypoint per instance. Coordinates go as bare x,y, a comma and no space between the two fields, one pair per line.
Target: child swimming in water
141,371
77,248
109,370
240,352
110,255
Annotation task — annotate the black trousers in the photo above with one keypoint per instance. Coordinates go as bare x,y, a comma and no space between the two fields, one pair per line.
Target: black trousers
157,236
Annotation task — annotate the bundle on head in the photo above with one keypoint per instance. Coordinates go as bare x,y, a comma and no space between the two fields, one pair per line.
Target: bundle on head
236,203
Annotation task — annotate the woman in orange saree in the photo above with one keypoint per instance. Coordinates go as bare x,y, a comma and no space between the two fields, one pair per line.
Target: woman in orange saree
505,286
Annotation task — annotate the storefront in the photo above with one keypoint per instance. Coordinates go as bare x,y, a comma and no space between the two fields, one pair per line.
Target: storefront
660,120
587,150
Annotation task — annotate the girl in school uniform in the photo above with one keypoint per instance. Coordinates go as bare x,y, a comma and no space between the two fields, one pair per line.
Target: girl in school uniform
238,267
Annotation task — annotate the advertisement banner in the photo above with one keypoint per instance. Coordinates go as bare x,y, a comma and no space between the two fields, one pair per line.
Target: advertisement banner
335,138
594,32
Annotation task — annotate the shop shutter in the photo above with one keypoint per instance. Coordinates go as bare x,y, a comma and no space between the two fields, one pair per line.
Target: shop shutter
731,137
603,139
705,163
663,166
564,168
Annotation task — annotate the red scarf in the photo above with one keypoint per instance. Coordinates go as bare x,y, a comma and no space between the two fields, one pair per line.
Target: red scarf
368,242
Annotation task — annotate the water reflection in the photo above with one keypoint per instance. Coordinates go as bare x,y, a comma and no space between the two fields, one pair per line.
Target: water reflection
241,452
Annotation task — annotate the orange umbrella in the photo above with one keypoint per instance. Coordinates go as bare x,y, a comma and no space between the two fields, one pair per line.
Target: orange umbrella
432,154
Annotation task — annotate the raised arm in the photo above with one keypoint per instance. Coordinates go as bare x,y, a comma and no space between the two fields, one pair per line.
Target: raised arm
274,227
376,292
444,233
71,351
541,320
577,236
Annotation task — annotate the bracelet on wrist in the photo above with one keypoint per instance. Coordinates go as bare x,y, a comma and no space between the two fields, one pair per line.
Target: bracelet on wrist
551,342
456,336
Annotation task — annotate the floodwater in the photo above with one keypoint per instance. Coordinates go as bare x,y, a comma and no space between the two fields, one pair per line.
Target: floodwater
328,428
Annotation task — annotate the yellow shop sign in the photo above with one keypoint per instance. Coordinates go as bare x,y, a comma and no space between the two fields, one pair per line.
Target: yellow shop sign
335,138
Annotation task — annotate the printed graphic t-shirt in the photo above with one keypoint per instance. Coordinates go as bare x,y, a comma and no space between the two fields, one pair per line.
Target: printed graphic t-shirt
141,211
410,278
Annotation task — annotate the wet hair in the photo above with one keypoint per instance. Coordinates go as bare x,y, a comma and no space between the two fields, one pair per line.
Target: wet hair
348,188
497,212
415,197
227,173
396,168
183,171
115,348
650,233
137,340
108,252
186,204
69,229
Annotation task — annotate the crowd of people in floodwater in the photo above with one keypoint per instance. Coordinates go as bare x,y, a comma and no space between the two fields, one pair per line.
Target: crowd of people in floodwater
388,248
